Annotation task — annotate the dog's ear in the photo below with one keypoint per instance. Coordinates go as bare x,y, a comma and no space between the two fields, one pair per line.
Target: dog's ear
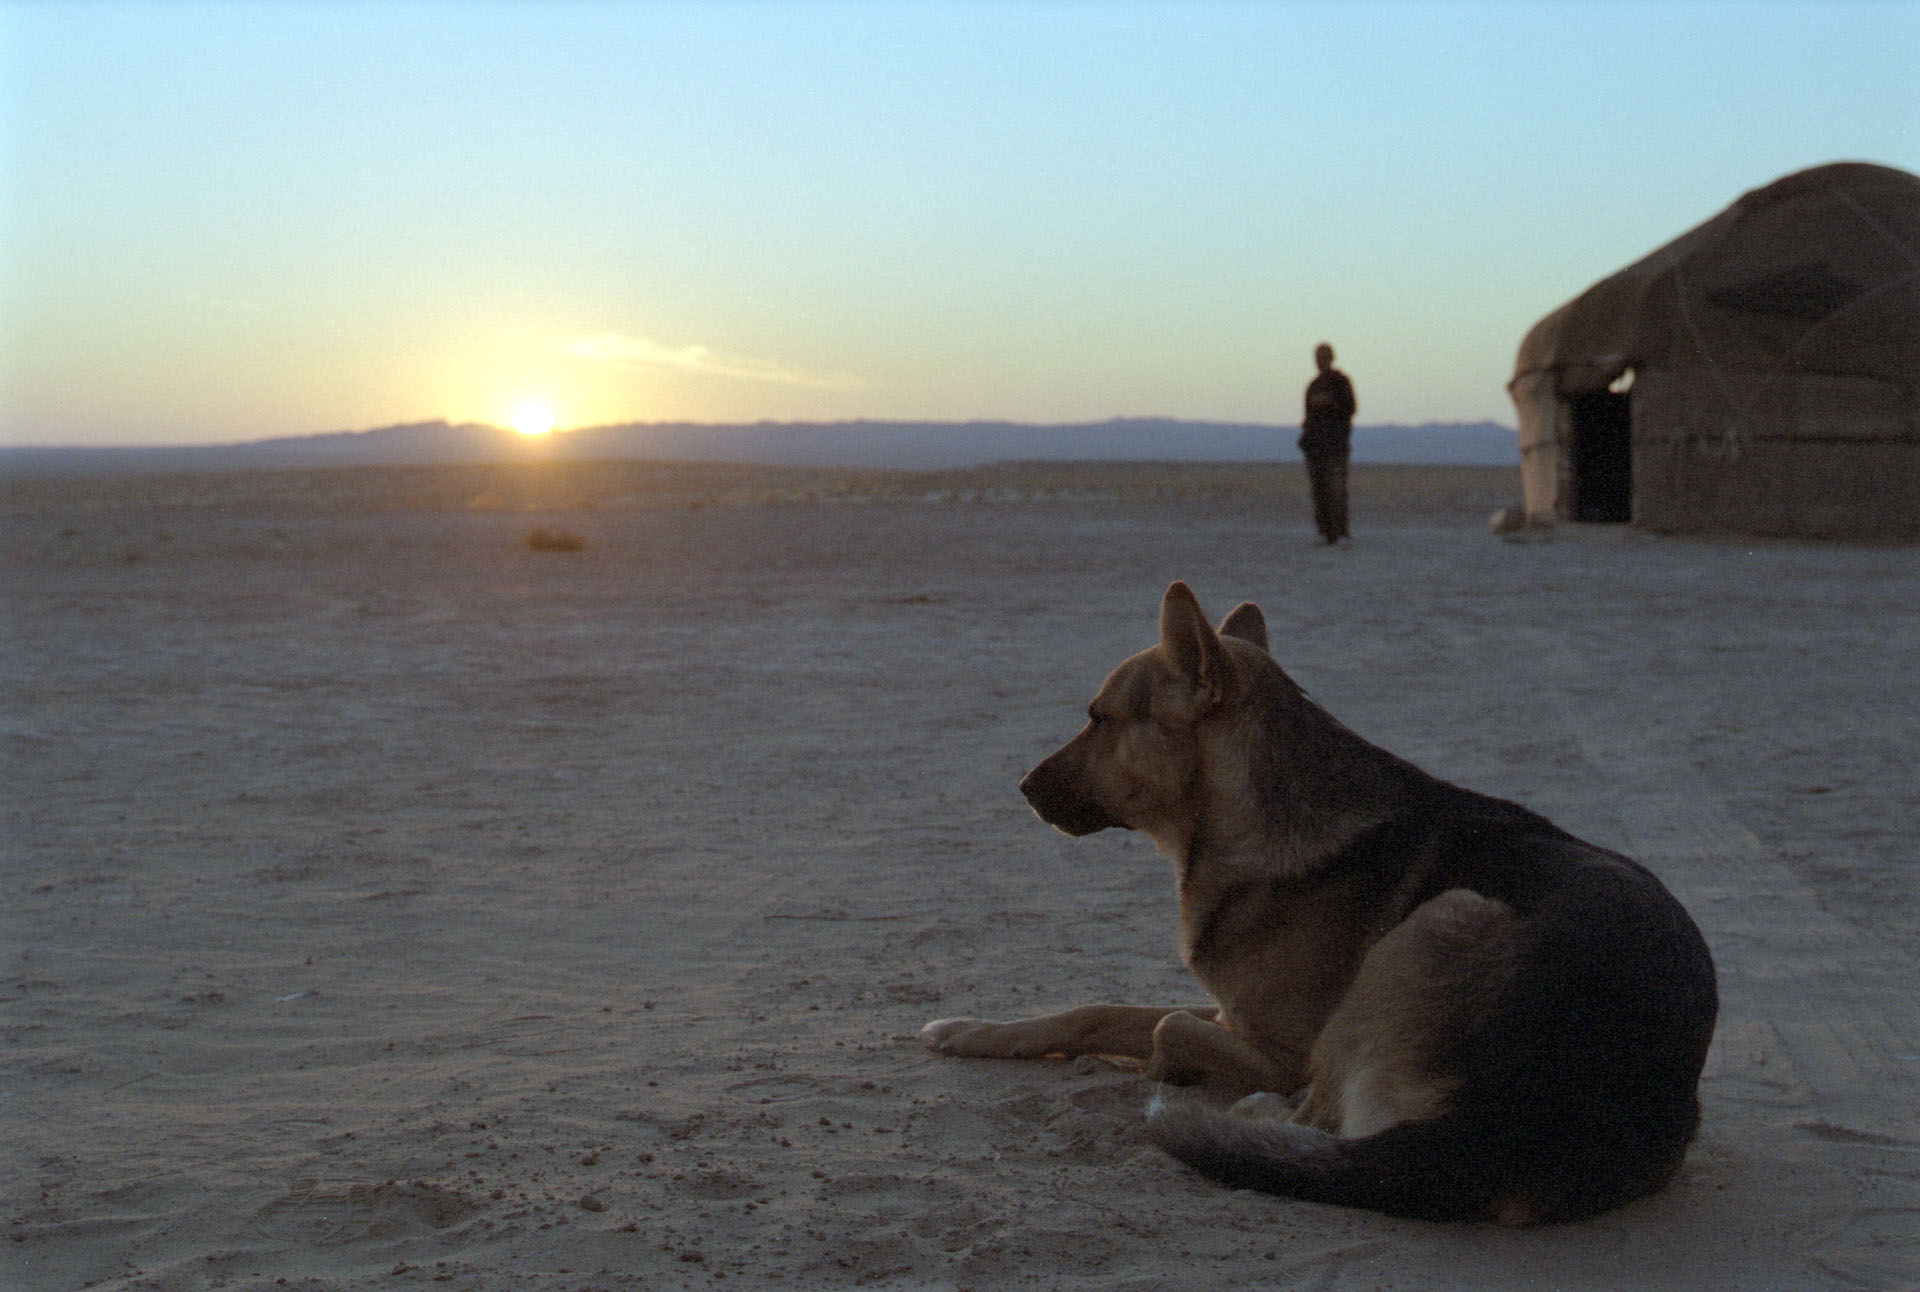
1191,645
1247,623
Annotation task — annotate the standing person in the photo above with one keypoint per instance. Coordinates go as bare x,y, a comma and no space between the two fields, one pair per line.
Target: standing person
1326,436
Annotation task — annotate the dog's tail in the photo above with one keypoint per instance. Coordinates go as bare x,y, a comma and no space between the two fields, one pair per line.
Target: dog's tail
1424,1170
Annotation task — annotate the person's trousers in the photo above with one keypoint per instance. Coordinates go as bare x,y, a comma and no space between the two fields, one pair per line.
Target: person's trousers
1327,475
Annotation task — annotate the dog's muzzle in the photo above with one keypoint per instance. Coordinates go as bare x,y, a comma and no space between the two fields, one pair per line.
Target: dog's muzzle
1060,802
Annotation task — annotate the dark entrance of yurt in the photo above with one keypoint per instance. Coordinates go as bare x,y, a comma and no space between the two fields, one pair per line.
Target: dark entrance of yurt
1602,456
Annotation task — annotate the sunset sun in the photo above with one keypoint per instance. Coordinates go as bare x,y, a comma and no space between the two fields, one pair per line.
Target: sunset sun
532,418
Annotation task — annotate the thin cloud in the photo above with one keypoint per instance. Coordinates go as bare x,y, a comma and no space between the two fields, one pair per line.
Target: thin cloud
637,352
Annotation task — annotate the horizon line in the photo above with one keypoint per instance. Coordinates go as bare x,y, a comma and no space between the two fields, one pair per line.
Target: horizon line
756,424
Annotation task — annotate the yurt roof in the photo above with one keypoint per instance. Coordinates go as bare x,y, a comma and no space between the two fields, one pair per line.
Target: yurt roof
1816,272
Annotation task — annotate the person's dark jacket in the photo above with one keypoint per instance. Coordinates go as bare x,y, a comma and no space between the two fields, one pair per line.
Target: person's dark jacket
1328,427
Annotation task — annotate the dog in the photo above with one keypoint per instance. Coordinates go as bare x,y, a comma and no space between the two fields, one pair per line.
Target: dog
1477,1015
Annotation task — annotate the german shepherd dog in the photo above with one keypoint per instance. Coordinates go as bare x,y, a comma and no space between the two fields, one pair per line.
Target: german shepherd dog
1479,1016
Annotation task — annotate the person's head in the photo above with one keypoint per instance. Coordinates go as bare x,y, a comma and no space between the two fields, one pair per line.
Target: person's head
1323,356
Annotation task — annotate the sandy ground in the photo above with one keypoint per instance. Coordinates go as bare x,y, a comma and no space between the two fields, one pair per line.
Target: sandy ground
388,904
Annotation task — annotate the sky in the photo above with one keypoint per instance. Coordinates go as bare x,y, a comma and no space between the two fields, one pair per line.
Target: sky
241,220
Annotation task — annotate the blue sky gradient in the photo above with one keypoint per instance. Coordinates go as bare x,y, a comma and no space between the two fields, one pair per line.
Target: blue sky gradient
238,220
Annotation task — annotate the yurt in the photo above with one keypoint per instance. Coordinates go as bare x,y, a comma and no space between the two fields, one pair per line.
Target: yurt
1758,375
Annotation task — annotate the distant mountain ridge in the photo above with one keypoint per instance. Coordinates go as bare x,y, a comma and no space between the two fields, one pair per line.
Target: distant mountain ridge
873,444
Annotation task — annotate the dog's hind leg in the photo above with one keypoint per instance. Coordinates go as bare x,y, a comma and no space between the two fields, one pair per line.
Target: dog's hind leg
1119,1031
1429,983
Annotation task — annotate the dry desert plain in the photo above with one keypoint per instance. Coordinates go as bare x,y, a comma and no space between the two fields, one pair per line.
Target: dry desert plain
391,902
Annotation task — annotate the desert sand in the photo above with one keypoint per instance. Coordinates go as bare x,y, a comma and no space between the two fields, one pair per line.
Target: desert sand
392,903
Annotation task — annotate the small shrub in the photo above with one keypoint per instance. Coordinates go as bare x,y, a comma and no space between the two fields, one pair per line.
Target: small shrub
555,540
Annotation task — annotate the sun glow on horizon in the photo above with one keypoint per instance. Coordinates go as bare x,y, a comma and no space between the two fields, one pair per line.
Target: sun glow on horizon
532,418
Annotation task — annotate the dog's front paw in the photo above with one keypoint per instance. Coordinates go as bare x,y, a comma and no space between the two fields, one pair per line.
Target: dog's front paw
963,1036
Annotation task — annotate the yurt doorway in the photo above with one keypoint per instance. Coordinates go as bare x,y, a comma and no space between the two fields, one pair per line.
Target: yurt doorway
1602,456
